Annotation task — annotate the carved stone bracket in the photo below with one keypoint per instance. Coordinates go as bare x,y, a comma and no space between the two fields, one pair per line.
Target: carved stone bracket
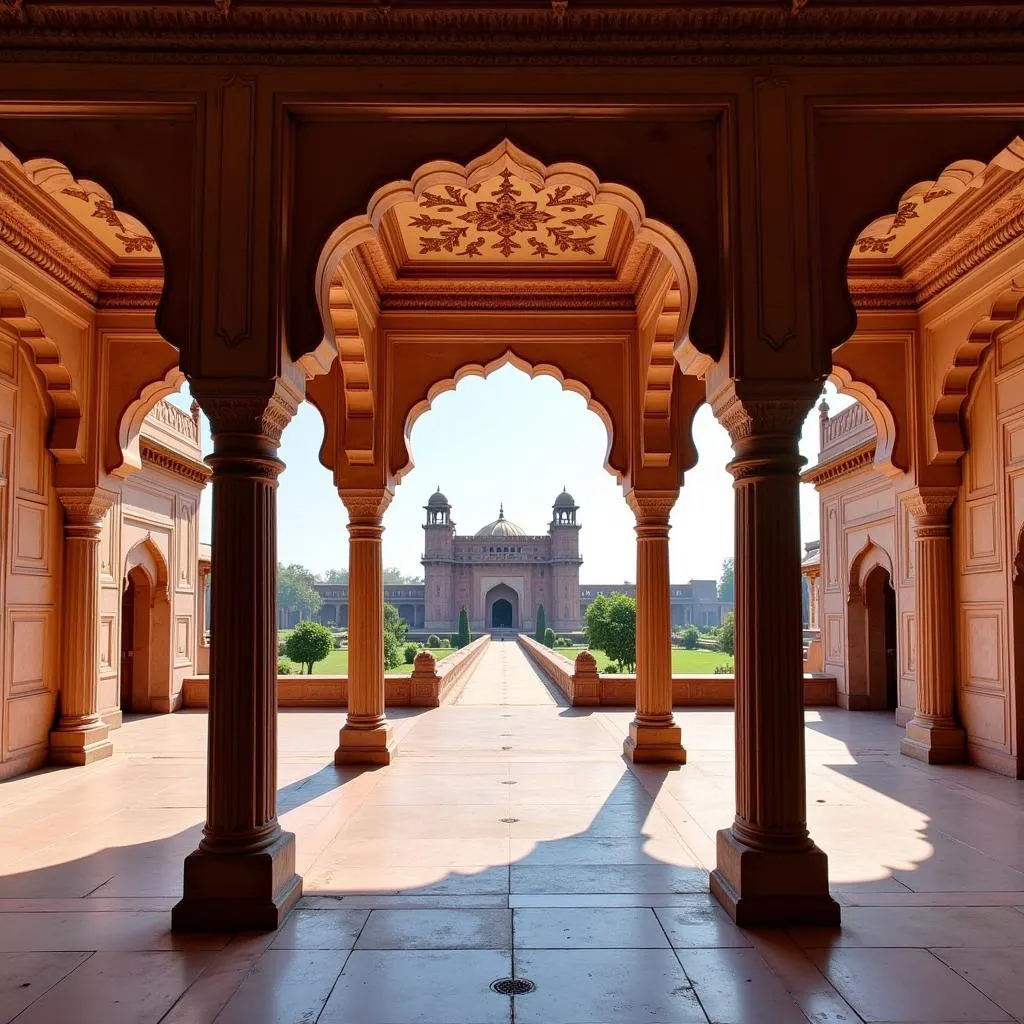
85,506
930,507
261,409
365,506
747,411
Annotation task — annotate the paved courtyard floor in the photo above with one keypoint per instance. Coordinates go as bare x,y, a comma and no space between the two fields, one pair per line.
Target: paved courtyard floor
509,838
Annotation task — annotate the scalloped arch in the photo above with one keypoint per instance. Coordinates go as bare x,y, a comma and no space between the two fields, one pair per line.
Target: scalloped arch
145,555
56,377
881,416
350,345
485,370
1007,309
130,421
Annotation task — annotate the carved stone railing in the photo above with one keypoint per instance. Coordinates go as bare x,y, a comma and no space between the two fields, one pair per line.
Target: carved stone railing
166,422
844,431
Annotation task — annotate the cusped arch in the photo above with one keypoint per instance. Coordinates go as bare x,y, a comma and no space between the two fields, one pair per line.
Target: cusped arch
532,370
870,556
147,556
337,286
54,373
881,413
1007,309
127,457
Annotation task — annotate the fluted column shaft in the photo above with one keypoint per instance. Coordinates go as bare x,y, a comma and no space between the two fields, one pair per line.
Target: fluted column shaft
933,734
366,736
769,871
242,778
243,873
81,736
653,734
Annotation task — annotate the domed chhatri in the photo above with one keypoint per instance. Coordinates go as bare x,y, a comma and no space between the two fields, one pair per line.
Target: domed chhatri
501,527
438,500
565,499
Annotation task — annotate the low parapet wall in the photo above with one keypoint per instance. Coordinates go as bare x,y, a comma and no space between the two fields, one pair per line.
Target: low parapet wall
430,683
583,686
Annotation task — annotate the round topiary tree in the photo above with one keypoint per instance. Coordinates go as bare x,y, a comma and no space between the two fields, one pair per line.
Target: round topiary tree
409,652
433,641
309,643
690,637
549,637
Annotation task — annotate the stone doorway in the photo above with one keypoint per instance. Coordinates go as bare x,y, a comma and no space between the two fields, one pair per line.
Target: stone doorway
502,608
501,614
145,667
880,640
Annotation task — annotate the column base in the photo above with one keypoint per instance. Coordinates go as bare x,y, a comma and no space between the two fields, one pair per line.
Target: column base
365,746
654,744
934,743
239,892
80,745
759,888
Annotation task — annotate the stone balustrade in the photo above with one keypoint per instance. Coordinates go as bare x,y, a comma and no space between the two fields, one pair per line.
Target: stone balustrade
432,682
583,686
174,420
844,431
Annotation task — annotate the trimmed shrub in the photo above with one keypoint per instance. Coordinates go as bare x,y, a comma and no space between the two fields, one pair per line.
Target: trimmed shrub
464,635
392,651
690,637
727,634
724,670
284,668
433,641
409,652
541,631
549,637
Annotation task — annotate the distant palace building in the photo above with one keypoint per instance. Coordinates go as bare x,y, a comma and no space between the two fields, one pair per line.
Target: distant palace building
501,575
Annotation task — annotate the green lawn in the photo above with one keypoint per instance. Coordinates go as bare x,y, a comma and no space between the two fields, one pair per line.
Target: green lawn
684,663
336,664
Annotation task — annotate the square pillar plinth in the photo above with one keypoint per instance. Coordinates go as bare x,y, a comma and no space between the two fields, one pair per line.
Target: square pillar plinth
934,743
654,744
371,747
227,892
761,888
80,746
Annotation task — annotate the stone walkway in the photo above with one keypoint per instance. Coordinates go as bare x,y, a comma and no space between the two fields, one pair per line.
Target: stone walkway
506,675
510,838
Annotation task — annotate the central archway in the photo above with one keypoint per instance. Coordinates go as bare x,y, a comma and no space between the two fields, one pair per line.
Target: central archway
502,607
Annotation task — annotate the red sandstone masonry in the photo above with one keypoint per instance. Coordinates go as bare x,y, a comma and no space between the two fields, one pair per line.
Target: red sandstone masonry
427,687
583,686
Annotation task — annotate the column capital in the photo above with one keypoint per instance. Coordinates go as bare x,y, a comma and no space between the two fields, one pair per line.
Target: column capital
754,409
651,508
85,506
260,409
930,506
365,505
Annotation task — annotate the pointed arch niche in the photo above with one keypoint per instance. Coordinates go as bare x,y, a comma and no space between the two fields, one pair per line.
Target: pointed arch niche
460,269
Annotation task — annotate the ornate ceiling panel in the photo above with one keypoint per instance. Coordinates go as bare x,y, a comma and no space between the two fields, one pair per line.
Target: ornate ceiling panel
504,220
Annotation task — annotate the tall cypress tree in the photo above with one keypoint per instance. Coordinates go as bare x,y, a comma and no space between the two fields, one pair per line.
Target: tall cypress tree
464,636
541,625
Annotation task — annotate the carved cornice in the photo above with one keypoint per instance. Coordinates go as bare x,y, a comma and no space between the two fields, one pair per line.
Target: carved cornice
842,465
527,300
85,506
538,29
154,454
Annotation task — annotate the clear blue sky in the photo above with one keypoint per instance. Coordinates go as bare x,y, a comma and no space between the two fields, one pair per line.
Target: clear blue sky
509,439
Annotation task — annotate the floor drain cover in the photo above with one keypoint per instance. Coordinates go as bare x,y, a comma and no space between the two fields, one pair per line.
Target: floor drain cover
509,821
512,986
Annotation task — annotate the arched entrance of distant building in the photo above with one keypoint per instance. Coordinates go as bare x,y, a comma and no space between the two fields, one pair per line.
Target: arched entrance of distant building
873,664
502,607
145,632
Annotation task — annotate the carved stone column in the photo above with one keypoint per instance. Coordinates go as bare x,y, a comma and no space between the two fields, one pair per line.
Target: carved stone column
81,736
768,871
366,737
242,876
653,733
933,734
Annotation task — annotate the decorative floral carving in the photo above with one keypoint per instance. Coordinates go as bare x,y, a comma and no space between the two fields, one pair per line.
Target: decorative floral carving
905,211
85,506
499,222
262,414
103,209
869,244
365,506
